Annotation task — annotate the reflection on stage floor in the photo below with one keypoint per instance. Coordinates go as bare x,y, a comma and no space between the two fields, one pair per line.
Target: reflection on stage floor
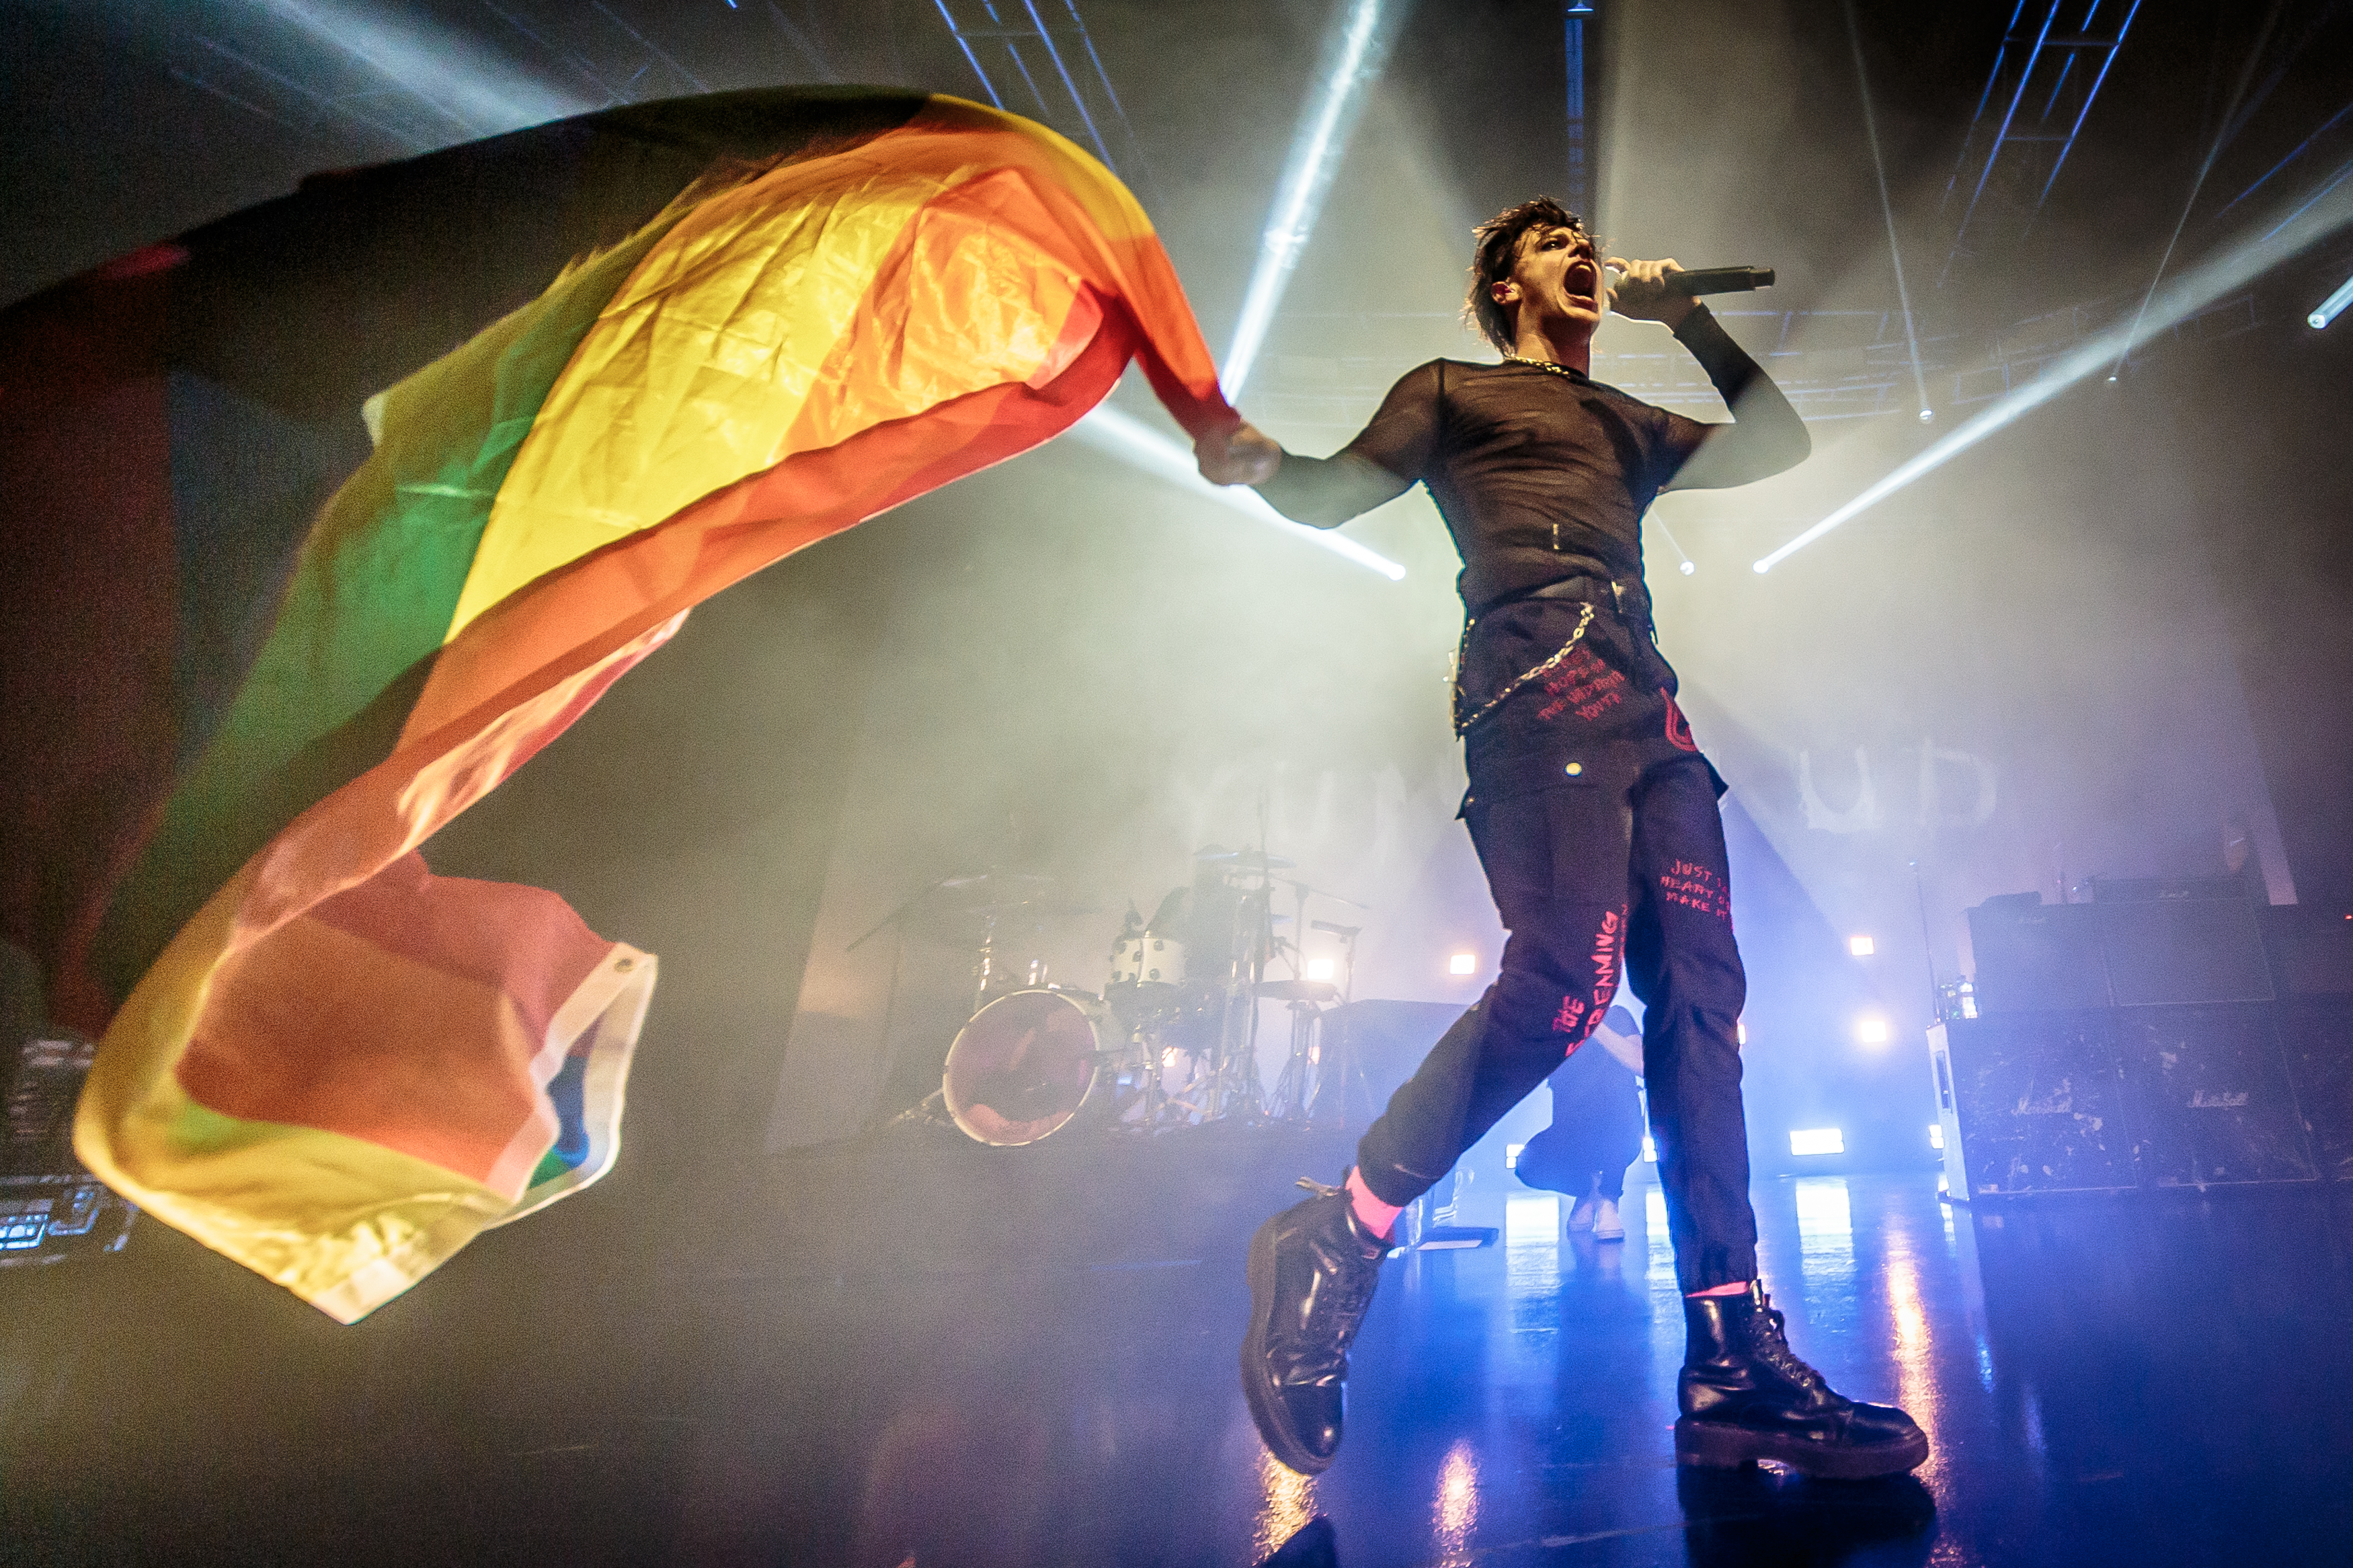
2150,1383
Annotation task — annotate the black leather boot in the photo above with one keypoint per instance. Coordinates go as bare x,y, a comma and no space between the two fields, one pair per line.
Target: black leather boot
1745,1396
1312,1270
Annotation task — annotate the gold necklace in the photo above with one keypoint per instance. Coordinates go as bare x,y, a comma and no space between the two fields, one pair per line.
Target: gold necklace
1545,364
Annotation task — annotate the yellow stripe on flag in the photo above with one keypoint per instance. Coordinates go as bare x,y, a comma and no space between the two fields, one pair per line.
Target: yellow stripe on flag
722,355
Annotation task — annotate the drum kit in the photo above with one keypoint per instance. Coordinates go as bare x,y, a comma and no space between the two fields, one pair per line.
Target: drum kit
1171,1039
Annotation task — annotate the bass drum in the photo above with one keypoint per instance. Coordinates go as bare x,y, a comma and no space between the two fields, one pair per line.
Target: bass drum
1028,1063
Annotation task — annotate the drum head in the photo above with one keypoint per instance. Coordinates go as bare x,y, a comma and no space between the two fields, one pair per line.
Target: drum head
1021,1067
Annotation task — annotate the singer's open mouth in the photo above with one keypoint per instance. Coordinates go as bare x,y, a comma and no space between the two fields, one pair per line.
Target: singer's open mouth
1582,279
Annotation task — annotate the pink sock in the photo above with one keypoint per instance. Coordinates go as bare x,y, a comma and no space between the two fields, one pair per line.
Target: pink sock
1374,1215
1740,1288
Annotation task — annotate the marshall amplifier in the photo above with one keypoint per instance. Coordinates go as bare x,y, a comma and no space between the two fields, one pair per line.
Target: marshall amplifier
2033,1103
2210,1097
2033,957
2316,1040
2114,1099
2151,943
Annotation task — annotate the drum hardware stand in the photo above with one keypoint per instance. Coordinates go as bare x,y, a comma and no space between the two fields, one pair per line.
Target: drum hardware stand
1348,1073
1296,1091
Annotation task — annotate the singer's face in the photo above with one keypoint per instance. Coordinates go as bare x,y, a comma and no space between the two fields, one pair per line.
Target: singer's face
1557,272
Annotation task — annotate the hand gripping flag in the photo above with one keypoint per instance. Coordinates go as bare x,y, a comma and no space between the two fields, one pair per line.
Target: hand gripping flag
330,1064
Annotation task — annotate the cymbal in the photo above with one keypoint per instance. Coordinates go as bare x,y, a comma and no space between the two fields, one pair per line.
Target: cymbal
962,926
1298,989
1246,859
994,880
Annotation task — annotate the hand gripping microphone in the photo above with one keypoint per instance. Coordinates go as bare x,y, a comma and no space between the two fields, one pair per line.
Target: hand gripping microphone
1719,281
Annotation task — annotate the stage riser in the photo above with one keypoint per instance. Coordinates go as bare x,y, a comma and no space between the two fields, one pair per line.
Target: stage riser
2149,1099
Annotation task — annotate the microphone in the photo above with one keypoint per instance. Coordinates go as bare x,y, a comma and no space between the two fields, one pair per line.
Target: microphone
1719,281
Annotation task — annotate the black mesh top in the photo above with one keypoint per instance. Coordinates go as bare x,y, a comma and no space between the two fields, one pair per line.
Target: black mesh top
1544,474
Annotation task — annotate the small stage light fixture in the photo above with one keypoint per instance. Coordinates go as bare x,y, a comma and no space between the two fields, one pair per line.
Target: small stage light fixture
1861,946
1816,1140
1319,969
1462,964
1871,1031
1936,1135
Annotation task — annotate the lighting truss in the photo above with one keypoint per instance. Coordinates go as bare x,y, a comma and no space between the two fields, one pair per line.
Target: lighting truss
2045,76
1017,38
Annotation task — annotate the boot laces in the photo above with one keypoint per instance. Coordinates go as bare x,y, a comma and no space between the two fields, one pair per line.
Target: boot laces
1773,1349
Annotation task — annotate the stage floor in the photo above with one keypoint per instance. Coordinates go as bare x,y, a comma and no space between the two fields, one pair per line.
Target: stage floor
2151,1383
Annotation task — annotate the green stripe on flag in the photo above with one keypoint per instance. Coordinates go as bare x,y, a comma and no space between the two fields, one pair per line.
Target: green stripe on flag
365,616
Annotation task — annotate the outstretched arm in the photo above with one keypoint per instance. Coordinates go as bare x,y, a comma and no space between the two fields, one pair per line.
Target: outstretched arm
1766,435
1322,493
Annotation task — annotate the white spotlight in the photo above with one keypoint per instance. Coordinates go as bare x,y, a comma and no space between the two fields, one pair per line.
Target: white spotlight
1816,1140
1871,1031
2331,307
1351,61
1861,946
1139,446
2234,267
1319,969
1936,1135
1650,1150
1462,964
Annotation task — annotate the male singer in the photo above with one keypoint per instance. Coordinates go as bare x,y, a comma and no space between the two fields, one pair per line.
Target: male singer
1595,817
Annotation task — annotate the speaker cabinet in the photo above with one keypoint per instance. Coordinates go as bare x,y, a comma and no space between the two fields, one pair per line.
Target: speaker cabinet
2210,1098
1377,1045
2316,1039
2037,1105
2166,952
2311,949
2037,957
2167,949
2114,1099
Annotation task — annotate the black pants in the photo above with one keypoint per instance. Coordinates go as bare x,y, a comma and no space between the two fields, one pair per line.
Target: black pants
1596,1132
1616,864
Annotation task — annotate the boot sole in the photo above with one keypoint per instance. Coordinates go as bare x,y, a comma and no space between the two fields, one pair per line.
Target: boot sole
1258,1387
1705,1445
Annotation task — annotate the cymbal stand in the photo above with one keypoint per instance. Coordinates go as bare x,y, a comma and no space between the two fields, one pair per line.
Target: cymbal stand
1347,1071
1296,1090
985,970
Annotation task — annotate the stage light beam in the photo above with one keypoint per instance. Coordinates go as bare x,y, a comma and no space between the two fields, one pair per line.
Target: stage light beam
2237,265
1141,446
1353,55
1816,1140
2331,307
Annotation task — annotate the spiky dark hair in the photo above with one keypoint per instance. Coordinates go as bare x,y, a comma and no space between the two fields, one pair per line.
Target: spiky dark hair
1498,246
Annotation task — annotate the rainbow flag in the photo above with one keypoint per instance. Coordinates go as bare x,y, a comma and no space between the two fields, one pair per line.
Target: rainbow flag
337,1067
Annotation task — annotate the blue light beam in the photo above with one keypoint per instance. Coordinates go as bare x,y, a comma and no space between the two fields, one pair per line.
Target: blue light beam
1353,57
2237,265
2328,309
1141,446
